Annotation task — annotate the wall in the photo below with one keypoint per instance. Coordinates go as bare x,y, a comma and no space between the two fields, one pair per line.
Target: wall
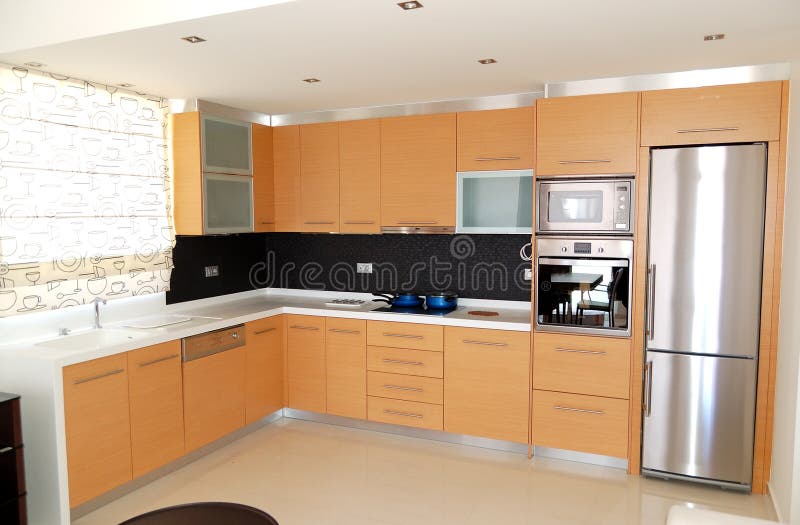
785,478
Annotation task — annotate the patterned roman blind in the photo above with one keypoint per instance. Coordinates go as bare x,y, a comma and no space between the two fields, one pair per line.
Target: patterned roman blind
85,192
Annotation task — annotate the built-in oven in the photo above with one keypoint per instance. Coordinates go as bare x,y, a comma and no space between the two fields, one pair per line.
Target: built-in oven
583,285
585,206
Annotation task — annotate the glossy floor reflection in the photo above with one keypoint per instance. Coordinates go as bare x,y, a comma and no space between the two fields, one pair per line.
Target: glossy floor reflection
311,473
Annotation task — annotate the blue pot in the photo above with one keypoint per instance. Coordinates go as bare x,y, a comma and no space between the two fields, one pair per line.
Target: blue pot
441,300
401,300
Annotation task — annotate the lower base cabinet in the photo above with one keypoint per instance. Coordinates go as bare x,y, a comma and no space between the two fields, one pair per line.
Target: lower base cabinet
407,413
305,351
346,367
264,376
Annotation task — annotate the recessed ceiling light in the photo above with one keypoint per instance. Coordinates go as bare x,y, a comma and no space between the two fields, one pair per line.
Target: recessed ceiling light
193,39
34,64
716,36
487,61
407,6
311,80
126,85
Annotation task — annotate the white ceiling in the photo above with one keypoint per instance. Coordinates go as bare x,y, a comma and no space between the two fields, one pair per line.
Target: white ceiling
370,52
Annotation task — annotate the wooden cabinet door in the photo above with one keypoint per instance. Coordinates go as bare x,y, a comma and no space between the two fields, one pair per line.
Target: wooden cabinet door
418,170
590,134
155,387
499,139
286,155
306,355
187,172
213,393
319,176
263,180
486,383
97,420
359,176
346,367
264,376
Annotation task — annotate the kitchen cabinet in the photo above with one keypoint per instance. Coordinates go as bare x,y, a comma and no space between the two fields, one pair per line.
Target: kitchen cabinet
500,139
587,135
155,389
263,180
226,146
319,177
712,115
264,368
286,157
98,431
486,383
306,362
418,171
405,335
346,367
424,363
407,413
187,172
359,176
405,387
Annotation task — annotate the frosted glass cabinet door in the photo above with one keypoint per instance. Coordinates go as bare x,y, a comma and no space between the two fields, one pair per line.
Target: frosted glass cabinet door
226,146
495,202
227,203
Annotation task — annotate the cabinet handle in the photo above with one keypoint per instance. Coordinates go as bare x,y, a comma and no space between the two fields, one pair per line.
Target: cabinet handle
267,222
265,330
159,360
6,449
575,351
651,302
343,331
301,327
404,336
705,130
417,222
648,388
484,159
581,410
359,222
485,343
584,161
401,362
404,388
318,222
98,376
404,414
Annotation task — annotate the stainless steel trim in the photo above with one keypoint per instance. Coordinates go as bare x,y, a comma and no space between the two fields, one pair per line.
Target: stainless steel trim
680,79
214,342
6,449
487,159
704,130
405,336
419,229
159,360
343,331
186,105
582,457
402,362
648,388
576,351
319,222
98,376
303,327
581,410
404,388
403,414
745,487
486,343
584,161
651,292
359,222
264,331
588,262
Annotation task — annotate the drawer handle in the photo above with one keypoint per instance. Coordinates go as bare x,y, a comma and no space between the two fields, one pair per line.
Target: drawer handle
402,362
484,159
404,336
485,343
705,130
404,388
576,351
403,414
264,331
417,222
319,222
359,222
584,161
301,327
159,360
581,410
6,449
267,222
98,376
343,331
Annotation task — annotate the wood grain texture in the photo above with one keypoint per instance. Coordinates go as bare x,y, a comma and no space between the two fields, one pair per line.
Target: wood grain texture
405,335
319,177
263,179
597,366
408,388
602,129
214,397
286,156
187,172
753,110
155,387
404,361
487,383
562,421
360,176
418,170
306,360
407,413
499,139
346,367
264,368
98,432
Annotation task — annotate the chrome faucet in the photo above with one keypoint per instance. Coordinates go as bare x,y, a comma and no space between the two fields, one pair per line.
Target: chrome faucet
97,301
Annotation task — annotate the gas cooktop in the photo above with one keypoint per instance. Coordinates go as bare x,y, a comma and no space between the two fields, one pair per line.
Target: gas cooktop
418,310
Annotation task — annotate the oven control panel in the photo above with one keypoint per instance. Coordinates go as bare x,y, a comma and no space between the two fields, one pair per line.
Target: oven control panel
585,248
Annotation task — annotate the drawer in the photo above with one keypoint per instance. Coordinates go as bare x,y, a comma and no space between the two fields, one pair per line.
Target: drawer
350,332
404,335
408,413
598,366
404,361
12,473
597,425
456,337
410,388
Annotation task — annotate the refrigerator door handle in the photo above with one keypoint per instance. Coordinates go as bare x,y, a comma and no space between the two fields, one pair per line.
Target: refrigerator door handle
651,301
648,388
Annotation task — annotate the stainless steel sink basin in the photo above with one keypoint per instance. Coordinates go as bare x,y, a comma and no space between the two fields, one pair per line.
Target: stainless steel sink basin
92,339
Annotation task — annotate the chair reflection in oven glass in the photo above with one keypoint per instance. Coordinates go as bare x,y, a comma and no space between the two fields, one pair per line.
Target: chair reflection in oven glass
607,307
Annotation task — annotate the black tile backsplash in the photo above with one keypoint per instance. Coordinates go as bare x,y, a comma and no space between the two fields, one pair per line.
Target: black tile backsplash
474,266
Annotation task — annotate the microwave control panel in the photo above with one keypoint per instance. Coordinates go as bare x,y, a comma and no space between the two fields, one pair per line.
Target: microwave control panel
622,208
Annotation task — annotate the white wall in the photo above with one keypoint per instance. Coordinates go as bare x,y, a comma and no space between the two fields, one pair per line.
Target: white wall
785,479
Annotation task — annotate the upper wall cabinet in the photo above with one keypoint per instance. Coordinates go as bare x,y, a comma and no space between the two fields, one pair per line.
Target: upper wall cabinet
591,134
500,139
359,176
418,170
286,152
738,113
319,177
226,146
263,180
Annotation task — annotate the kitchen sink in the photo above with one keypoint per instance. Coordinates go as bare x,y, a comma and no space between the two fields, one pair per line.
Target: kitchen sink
92,339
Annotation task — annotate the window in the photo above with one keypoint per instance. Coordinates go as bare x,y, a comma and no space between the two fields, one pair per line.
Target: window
85,192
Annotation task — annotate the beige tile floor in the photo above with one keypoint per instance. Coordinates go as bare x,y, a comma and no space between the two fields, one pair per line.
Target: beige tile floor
311,473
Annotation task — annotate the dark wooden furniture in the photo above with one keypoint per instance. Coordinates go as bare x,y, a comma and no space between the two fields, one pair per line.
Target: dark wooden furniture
12,472
204,513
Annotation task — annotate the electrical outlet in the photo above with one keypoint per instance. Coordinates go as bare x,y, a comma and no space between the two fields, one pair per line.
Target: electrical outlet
212,271
363,267
528,274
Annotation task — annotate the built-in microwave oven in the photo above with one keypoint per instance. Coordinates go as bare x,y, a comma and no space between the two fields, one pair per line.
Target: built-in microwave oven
585,206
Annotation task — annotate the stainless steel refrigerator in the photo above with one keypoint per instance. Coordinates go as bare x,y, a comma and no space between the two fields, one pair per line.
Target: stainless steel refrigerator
705,252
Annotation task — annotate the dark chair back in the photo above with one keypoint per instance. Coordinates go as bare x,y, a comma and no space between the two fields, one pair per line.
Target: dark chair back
206,513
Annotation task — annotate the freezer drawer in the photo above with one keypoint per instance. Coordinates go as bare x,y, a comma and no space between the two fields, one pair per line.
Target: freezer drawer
699,414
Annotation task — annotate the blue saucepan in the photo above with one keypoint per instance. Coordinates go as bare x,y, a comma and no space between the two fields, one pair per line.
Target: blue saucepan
441,300
402,300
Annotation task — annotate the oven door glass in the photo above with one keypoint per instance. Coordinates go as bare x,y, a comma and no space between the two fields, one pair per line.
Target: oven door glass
582,294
